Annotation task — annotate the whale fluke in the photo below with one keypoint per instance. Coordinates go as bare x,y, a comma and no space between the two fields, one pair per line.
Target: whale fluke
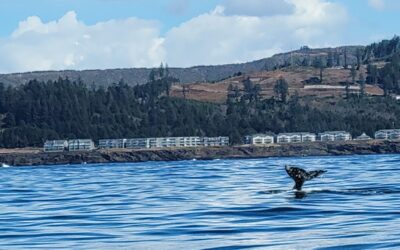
300,175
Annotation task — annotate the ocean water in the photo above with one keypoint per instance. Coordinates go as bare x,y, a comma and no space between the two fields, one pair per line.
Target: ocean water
219,204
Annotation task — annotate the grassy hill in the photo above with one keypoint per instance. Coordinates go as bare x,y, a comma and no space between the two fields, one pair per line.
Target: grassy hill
333,84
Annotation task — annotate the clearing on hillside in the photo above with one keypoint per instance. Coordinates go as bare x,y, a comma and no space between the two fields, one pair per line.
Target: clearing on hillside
301,80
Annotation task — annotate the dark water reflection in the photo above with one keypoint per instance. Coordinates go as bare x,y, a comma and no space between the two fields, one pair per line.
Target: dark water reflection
221,204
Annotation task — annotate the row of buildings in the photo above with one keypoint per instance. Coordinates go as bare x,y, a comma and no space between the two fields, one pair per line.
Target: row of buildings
388,134
164,142
136,143
259,139
68,145
195,141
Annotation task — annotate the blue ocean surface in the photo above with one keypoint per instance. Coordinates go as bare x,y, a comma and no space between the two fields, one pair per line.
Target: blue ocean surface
218,204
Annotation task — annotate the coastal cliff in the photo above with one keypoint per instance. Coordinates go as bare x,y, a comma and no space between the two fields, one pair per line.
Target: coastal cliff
277,150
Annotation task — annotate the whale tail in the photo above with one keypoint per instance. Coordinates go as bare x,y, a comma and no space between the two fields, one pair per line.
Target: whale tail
300,175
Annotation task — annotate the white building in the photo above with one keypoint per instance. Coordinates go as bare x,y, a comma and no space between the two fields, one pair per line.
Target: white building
295,137
363,137
387,134
80,145
259,139
171,142
112,143
308,137
394,135
189,141
335,136
137,143
55,146
283,138
326,137
215,141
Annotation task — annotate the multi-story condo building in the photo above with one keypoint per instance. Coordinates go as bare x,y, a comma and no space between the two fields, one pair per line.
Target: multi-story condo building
259,139
80,145
335,136
55,146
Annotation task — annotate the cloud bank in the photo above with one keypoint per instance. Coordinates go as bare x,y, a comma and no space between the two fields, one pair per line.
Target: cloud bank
230,33
70,44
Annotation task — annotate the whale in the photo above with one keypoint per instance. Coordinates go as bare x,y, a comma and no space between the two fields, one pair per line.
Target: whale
300,175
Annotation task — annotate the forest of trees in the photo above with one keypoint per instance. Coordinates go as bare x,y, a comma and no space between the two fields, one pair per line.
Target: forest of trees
63,109
386,76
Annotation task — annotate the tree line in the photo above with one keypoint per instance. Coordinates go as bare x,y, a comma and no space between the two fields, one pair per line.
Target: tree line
65,109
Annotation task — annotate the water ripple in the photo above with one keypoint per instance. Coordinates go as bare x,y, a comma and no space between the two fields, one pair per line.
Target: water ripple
214,205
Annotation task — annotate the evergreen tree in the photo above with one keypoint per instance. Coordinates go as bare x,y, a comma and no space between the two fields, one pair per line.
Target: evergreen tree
319,64
353,74
358,55
161,71
337,58
372,74
347,88
281,88
362,84
330,59
166,71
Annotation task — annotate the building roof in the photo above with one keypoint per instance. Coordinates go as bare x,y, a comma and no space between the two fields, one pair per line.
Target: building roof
111,139
387,130
55,141
307,133
81,141
295,133
363,136
334,132
262,135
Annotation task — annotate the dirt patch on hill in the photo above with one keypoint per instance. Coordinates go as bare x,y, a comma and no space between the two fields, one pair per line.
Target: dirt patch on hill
296,77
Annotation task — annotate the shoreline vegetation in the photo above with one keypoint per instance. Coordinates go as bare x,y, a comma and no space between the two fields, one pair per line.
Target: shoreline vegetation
34,157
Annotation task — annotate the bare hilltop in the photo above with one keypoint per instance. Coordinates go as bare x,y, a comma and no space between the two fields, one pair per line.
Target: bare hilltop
197,74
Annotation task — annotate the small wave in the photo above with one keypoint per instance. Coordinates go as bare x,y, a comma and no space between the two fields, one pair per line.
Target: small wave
255,212
234,247
354,246
392,160
273,191
352,191
215,205
355,191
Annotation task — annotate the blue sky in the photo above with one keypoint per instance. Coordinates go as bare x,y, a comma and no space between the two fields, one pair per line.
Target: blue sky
87,34
169,13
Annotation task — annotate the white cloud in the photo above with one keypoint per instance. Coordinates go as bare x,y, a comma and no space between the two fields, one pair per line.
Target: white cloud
216,38
70,44
223,35
377,4
258,7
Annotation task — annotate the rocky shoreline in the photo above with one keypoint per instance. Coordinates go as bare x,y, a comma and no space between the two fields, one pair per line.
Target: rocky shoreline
206,153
